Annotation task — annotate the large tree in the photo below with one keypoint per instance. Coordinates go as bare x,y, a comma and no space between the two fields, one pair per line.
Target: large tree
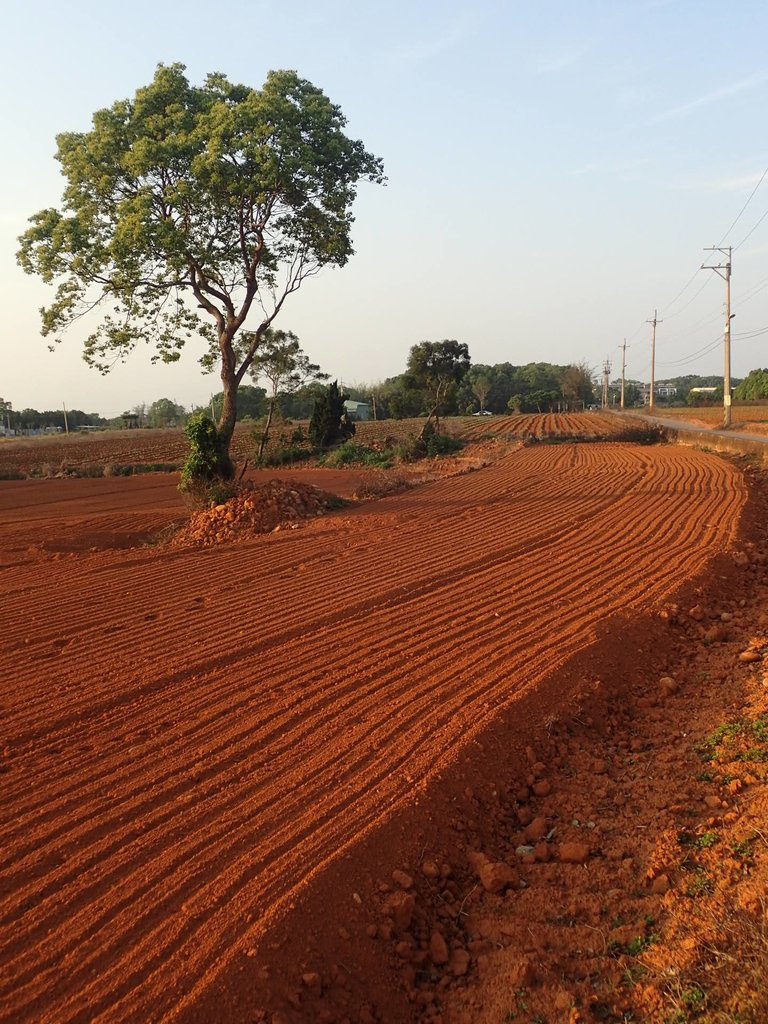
190,209
435,367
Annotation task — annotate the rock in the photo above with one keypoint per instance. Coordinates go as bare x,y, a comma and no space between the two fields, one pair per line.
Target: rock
573,853
542,853
542,788
497,876
668,685
404,949
400,907
748,657
430,869
523,851
713,802
438,949
537,829
660,885
524,815
312,982
402,879
459,962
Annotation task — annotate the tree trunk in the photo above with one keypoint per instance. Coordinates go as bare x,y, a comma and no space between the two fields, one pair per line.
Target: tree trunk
225,428
267,425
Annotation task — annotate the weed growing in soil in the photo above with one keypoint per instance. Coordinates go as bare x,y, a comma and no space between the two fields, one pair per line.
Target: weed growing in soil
700,885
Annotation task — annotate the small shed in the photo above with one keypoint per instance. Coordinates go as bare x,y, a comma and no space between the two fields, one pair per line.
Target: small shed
357,410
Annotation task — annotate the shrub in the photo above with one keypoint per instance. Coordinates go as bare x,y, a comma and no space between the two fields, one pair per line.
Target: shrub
208,471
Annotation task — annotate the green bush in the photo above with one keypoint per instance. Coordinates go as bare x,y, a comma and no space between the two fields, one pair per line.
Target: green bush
442,444
353,453
208,471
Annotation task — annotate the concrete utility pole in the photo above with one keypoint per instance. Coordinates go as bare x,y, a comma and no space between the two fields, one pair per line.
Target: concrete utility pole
66,424
724,270
653,355
606,378
623,368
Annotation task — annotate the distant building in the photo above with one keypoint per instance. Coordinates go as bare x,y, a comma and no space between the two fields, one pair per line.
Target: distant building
357,410
659,391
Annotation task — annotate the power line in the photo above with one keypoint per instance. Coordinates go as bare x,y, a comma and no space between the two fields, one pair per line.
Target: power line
693,298
709,347
682,291
751,232
738,215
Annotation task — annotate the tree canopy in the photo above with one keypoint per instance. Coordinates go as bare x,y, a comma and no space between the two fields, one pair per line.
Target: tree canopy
435,367
189,209
754,386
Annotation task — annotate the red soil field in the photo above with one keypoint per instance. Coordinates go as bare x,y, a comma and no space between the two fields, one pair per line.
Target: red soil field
200,747
752,419
49,455
547,425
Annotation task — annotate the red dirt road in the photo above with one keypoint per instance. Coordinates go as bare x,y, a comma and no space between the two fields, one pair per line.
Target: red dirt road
190,737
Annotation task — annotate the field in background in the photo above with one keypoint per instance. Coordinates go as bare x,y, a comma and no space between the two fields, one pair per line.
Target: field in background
165,450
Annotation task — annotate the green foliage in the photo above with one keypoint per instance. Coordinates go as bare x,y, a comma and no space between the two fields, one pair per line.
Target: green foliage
436,368
165,413
640,943
700,885
330,423
351,453
754,386
442,444
188,208
208,464
286,368
251,402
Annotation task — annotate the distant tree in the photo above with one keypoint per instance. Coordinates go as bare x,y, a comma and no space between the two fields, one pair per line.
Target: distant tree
165,413
753,387
480,388
286,368
298,405
251,402
187,209
576,386
329,422
435,367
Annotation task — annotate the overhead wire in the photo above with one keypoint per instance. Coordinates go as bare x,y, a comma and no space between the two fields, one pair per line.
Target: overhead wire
749,295
741,211
749,233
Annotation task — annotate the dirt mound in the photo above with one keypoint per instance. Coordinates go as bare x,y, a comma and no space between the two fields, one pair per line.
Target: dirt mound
264,508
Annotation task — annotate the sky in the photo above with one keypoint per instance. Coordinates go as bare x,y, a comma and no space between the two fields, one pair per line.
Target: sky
555,171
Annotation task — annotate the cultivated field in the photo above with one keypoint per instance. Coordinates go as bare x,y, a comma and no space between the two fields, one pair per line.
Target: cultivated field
547,425
201,747
753,419
164,449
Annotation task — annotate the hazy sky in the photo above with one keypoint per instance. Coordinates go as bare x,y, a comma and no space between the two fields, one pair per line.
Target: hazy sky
555,171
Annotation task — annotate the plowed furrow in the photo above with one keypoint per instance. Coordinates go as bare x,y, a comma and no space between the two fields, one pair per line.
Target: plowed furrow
242,766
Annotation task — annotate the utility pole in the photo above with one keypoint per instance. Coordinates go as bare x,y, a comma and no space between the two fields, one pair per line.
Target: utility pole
606,378
653,355
66,425
623,368
724,270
